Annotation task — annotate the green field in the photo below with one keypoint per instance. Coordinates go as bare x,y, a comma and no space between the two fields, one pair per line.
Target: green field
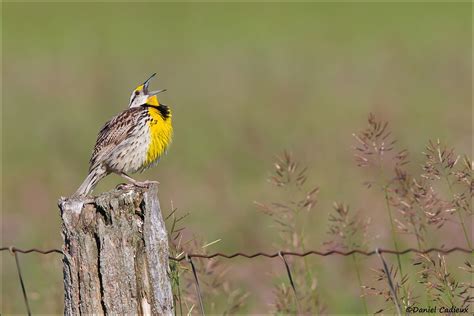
245,81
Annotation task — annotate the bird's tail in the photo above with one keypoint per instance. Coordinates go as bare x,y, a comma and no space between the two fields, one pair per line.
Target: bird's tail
94,176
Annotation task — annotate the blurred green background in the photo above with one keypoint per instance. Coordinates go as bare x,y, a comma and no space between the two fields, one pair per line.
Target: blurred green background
245,81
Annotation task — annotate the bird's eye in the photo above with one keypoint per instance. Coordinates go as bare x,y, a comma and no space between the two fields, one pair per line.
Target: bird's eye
137,92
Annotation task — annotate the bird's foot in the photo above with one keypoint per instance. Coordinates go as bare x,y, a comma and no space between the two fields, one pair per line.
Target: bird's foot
141,184
145,184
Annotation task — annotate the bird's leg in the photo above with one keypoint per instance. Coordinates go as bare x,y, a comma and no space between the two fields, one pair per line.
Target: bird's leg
141,184
127,177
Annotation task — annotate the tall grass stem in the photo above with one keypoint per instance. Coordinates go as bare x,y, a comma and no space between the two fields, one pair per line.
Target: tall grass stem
356,266
395,243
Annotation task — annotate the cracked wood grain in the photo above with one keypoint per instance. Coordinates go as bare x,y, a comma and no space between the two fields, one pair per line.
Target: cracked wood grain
116,254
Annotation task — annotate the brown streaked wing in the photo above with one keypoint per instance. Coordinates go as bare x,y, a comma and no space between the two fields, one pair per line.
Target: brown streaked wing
112,133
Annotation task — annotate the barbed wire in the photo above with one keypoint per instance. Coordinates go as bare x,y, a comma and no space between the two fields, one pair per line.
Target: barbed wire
279,254
44,252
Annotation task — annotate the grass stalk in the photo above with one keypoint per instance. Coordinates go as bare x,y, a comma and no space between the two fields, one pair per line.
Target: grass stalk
461,219
309,274
356,266
179,296
390,216
392,229
395,243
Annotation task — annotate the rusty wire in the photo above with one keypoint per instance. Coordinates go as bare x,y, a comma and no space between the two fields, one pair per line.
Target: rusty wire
280,254
325,253
44,252
283,253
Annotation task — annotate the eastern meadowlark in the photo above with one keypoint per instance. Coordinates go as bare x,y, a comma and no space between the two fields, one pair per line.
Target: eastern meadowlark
132,141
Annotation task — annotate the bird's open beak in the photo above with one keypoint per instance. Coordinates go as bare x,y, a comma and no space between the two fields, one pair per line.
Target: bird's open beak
147,82
156,92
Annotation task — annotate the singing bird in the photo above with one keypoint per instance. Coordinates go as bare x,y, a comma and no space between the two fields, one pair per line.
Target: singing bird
132,141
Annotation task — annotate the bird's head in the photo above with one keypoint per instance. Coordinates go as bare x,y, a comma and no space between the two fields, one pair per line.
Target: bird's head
141,95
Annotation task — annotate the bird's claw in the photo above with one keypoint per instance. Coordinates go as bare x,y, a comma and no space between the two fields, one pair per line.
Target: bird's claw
145,184
140,184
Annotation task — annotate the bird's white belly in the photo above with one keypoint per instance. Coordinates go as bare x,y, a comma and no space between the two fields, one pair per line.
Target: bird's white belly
130,155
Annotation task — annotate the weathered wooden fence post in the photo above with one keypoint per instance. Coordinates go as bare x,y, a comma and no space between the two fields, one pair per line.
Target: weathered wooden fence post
116,254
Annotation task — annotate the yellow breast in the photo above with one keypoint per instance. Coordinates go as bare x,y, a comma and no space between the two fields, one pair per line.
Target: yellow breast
161,132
